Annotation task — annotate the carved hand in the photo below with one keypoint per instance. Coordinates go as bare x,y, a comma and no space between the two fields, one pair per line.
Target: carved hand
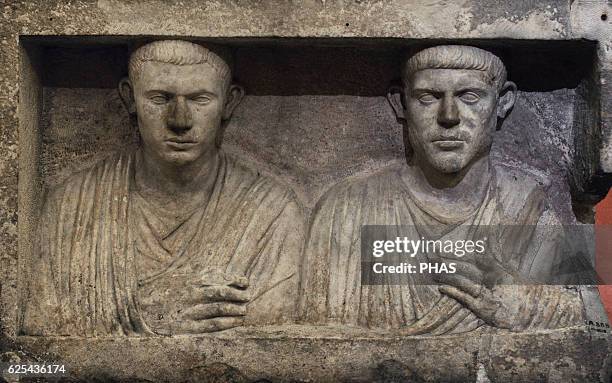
219,303
482,288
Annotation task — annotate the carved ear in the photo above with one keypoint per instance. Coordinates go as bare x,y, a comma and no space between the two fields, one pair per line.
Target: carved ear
126,92
507,98
395,95
234,96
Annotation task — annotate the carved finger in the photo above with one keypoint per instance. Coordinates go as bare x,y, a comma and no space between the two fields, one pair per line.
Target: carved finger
474,304
213,277
483,307
223,293
461,283
213,310
240,283
469,271
211,325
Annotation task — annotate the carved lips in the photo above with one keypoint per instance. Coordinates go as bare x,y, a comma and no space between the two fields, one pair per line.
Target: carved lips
448,143
180,143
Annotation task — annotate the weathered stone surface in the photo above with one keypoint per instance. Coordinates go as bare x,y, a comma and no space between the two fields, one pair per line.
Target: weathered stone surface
311,18
559,131
333,354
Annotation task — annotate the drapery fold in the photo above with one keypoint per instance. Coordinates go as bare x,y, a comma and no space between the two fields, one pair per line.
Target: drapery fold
332,288
87,273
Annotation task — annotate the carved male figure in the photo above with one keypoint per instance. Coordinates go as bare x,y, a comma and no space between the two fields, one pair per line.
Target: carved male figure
453,100
176,236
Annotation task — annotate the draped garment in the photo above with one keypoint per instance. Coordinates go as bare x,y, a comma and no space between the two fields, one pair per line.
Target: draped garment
332,289
94,230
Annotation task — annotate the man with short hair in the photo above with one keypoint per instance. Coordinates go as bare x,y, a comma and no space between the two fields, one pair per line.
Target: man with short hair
176,237
454,98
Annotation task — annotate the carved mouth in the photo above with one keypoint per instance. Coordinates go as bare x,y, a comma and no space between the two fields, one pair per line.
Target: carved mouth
179,143
448,143
181,140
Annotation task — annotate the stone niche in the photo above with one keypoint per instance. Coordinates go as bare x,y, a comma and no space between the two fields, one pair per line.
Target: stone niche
315,113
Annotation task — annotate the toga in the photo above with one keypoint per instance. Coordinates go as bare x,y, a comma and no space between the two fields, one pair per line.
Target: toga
107,257
332,289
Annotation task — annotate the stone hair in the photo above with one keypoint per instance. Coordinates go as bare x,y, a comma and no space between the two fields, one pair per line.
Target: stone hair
456,57
177,52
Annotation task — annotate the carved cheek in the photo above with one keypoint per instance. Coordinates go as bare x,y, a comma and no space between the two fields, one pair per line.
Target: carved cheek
423,117
476,115
152,111
201,115
421,128
488,108
209,114
152,119
481,134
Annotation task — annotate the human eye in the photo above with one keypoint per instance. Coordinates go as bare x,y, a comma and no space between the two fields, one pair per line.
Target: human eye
202,99
469,97
426,98
158,98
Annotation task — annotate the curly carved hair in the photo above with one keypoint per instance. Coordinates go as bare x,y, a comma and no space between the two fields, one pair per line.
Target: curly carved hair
177,52
456,57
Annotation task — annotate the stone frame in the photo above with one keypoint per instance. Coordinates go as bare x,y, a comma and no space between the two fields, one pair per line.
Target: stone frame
21,103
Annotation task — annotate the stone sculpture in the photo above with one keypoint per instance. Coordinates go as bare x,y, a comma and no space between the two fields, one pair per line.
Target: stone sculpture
177,236
454,98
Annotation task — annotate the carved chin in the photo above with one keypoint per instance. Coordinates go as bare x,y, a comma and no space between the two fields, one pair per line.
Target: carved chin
449,164
179,157
453,168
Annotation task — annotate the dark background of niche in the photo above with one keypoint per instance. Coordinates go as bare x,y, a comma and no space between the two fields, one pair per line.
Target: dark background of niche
299,67
315,111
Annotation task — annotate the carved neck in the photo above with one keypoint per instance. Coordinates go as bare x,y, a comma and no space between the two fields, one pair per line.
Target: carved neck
176,186
477,170
455,196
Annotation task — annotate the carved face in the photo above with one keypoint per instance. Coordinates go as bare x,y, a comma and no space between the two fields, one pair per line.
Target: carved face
451,116
179,108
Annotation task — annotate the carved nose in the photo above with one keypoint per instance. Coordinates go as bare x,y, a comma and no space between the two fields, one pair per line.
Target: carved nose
448,115
179,116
